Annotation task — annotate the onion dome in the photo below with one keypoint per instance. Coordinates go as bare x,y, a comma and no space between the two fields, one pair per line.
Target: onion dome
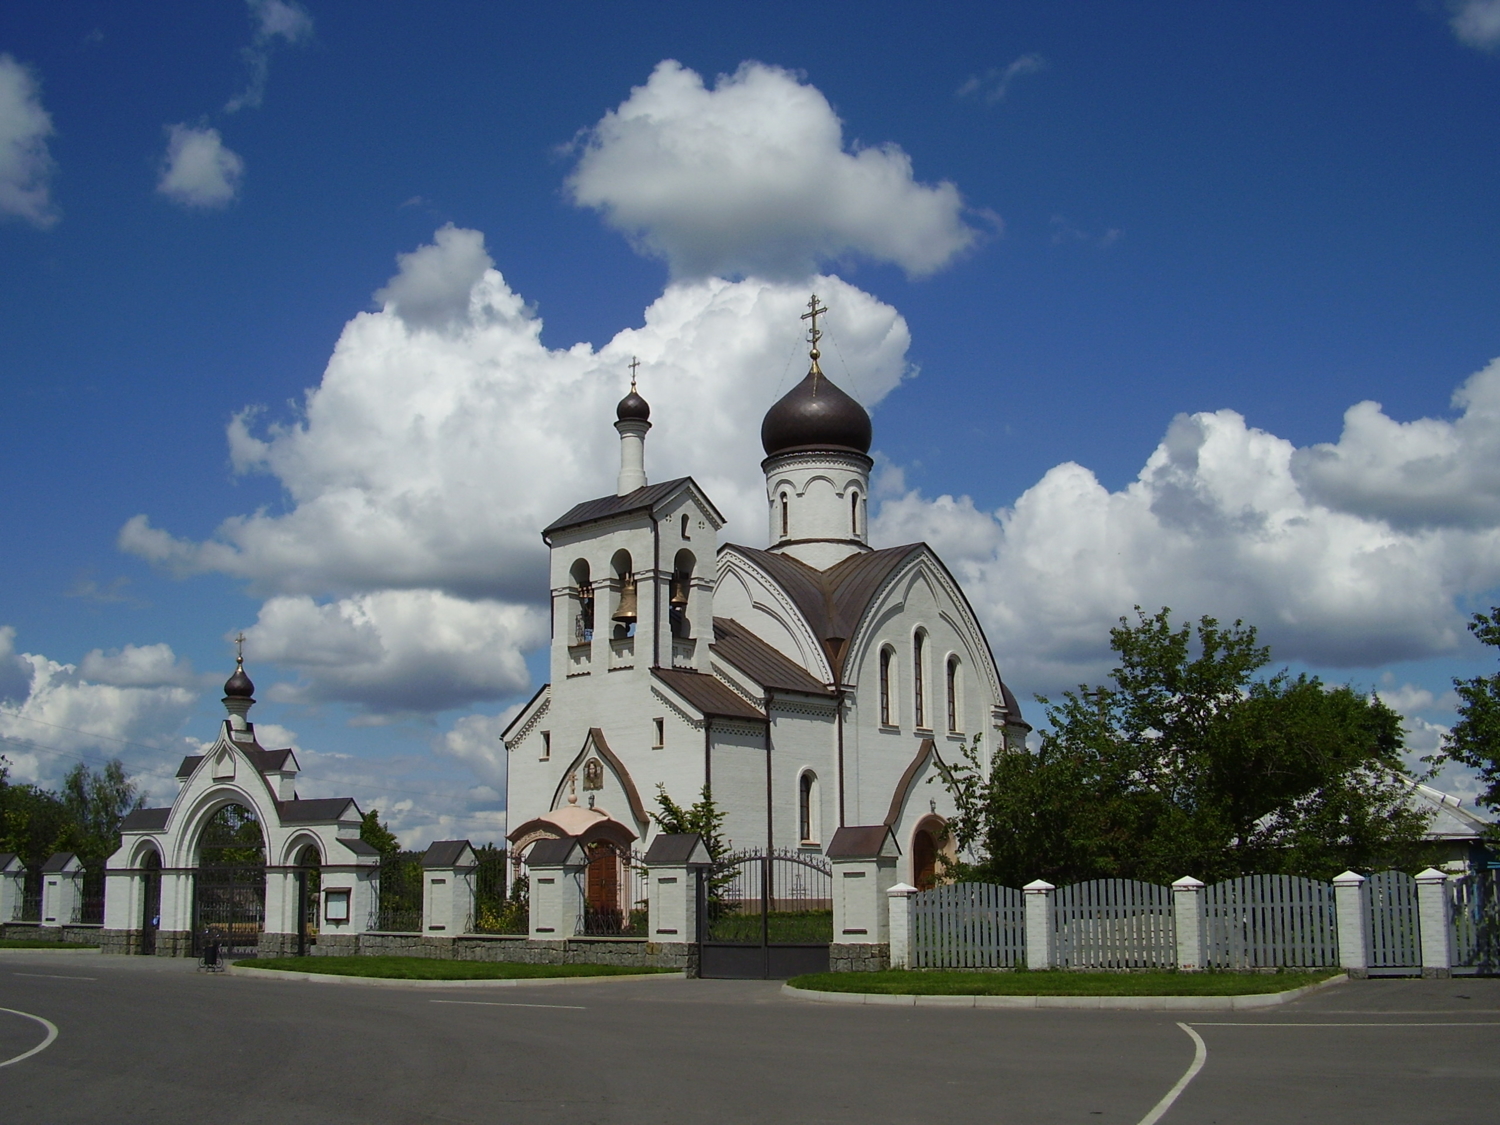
633,408
815,415
238,686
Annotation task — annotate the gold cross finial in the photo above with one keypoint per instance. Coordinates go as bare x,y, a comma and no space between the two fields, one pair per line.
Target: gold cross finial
634,363
812,314
239,649
573,788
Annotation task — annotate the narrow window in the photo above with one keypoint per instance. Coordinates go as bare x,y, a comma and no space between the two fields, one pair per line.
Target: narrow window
885,686
659,733
806,803
546,744
953,724
918,708
854,514
783,515
685,534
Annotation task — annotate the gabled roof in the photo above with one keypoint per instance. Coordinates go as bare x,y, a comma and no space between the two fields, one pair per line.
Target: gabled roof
145,820
834,600
863,841
6,859
708,695
445,853
57,862
319,809
595,739
641,500
675,849
554,853
761,662
522,713
265,761
359,847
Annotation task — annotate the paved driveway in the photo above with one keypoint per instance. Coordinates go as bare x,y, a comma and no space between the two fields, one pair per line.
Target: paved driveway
150,1040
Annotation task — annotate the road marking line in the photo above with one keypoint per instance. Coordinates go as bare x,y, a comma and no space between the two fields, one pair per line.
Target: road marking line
1350,1023
1200,1056
52,976
502,1004
40,1047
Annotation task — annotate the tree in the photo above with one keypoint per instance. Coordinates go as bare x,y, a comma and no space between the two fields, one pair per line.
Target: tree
97,801
373,831
1475,738
1187,764
703,817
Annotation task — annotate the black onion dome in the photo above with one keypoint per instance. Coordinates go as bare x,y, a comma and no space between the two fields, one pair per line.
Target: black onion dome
633,408
815,415
238,686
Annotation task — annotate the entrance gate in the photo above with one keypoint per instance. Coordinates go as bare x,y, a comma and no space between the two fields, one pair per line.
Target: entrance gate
765,916
229,887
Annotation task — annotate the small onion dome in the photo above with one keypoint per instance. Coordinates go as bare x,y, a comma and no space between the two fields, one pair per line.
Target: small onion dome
633,408
815,415
238,686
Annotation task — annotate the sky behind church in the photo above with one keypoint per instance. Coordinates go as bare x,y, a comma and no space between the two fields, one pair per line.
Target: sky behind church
315,313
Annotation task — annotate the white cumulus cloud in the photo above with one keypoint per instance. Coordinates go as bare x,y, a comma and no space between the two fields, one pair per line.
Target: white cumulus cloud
1476,22
754,176
198,170
25,165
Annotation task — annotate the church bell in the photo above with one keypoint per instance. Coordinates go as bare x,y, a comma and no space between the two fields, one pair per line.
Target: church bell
679,599
626,614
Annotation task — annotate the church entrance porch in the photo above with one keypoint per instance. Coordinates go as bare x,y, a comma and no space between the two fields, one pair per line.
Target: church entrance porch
229,886
765,916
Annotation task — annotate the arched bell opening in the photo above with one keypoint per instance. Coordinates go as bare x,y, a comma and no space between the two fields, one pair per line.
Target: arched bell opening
626,613
229,883
682,583
582,599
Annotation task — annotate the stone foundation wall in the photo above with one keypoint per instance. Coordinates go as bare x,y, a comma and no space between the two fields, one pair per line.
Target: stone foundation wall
625,952
32,931
846,958
277,945
174,943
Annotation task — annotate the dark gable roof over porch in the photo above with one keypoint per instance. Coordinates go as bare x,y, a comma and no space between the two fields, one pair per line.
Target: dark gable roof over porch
641,500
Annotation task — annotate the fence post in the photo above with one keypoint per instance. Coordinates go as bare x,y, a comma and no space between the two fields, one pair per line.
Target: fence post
61,893
448,888
1351,899
901,903
1039,935
1187,913
555,868
1435,919
674,860
12,887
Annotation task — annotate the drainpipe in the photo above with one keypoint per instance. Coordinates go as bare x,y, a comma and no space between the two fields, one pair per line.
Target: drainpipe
708,756
770,801
656,594
839,703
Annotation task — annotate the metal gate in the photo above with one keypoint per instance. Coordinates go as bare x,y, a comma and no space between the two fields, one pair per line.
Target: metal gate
229,909
1394,924
765,916
1475,903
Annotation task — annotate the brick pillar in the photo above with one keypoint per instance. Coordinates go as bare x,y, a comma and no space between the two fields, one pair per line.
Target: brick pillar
1435,912
901,904
12,886
1351,899
1040,948
1187,915
556,870
62,889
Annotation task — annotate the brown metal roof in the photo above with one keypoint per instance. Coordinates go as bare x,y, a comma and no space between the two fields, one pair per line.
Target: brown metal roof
863,841
761,662
710,696
834,600
641,500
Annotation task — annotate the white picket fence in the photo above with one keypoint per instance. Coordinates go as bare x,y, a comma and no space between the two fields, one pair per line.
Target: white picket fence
1251,922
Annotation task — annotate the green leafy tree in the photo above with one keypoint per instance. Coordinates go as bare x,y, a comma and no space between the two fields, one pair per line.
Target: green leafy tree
1475,738
1187,763
376,833
703,816
97,801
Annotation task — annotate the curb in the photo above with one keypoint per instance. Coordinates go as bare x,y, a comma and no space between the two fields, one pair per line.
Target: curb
404,982
1095,1003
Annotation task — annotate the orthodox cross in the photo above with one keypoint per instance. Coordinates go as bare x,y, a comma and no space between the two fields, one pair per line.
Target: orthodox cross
634,363
812,314
239,649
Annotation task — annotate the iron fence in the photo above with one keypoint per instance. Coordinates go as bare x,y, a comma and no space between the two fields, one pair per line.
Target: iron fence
500,907
969,926
1114,924
398,900
90,908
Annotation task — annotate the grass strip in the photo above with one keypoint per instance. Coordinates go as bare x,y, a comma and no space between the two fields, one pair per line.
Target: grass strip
937,982
32,943
427,968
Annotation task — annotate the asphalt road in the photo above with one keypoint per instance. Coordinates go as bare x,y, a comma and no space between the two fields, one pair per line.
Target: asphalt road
147,1040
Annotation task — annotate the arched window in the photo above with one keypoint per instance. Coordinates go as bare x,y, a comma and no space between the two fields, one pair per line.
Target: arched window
807,807
783,515
953,717
918,655
887,655
854,513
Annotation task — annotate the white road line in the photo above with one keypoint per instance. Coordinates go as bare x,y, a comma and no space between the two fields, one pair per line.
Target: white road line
502,1004
52,976
1350,1023
1200,1056
40,1047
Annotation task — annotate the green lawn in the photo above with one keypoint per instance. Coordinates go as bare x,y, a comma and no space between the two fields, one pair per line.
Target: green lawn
937,982
424,968
32,943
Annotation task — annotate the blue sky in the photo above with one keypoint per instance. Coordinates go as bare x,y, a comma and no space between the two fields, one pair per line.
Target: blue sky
1109,275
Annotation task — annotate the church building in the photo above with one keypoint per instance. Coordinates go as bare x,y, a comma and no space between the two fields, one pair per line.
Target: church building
812,684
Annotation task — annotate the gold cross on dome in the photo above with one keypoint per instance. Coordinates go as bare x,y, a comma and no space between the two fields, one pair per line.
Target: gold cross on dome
812,314
239,649
634,364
